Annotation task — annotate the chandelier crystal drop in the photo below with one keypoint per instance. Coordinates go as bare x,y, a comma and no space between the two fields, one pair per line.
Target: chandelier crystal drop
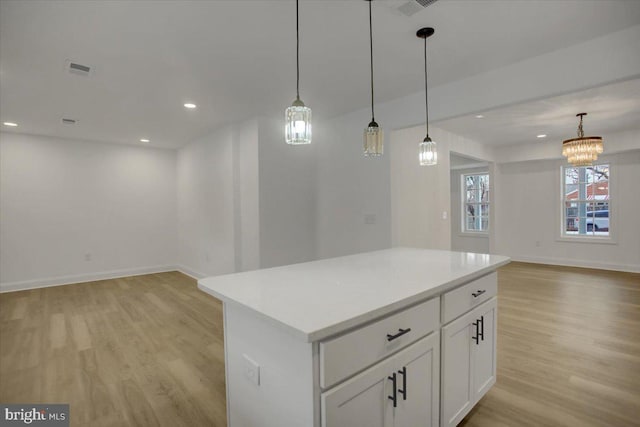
583,150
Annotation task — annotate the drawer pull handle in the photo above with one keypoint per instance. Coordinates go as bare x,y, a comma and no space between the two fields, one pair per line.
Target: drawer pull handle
393,397
403,372
477,293
400,333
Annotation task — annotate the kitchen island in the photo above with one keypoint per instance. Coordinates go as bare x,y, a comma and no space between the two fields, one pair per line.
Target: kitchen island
398,337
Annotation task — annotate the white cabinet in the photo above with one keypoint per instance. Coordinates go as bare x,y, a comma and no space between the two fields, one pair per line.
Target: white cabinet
330,336
401,391
468,361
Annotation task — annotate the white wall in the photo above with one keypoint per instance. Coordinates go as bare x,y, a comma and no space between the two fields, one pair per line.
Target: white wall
217,199
246,196
527,208
350,186
287,197
63,199
246,200
465,242
421,194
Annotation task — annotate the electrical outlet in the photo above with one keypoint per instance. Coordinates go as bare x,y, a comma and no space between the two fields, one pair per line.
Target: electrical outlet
445,215
370,218
251,370
88,257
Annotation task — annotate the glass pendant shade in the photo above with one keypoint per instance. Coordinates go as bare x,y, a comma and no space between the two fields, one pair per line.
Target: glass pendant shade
427,153
373,140
298,124
583,150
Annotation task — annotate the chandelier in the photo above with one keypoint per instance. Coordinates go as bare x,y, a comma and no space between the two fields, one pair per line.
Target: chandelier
583,150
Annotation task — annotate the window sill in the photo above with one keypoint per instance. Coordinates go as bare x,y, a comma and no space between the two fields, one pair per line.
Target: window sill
597,240
474,234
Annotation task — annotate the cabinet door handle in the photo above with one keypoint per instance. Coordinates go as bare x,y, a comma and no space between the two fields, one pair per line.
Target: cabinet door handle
403,372
481,334
477,337
479,292
393,397
400,333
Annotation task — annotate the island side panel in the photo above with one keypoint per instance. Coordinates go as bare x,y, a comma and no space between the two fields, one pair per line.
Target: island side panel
285,393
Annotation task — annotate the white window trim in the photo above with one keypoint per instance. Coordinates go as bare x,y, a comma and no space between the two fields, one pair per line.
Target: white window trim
613,209
463,196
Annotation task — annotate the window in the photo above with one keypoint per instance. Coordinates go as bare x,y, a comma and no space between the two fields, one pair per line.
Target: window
475,203
586,201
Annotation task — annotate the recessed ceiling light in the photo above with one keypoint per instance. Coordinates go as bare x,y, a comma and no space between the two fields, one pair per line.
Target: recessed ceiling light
144,140
479,116
189,105
10,124
542,135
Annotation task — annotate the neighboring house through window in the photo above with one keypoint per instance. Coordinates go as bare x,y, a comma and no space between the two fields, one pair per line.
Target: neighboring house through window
586,209
475,203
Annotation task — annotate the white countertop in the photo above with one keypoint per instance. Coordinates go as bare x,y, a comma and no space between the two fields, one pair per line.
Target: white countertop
314,300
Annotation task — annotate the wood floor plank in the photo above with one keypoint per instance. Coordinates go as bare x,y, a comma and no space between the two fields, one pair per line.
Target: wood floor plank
149,350
81,334
58,330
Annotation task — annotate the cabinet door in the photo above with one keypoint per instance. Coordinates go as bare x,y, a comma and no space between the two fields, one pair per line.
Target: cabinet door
484,354
418,377
457,397
364,400
361,401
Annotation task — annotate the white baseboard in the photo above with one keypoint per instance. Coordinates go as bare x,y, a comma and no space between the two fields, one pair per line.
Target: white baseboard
628,268
79,278
190,272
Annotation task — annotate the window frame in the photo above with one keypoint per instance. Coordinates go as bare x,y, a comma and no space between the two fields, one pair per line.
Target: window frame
588,238
463,205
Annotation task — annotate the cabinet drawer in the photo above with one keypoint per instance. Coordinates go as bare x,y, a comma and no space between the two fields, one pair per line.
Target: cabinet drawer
352,352
458,301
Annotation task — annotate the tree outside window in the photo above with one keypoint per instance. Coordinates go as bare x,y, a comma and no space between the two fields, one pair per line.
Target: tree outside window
586,209
475,203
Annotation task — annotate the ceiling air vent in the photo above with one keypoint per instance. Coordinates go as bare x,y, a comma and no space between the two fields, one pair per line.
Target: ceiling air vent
414,6
69,121
79,69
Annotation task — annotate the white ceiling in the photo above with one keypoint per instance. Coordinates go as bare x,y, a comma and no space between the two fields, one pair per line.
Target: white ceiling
236,59
610,108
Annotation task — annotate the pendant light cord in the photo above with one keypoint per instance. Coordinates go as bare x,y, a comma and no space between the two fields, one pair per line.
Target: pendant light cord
426,91
373,119
297,54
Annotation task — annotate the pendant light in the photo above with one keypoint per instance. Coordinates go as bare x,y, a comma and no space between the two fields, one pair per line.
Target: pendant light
373,134
427,153
583,150
298,116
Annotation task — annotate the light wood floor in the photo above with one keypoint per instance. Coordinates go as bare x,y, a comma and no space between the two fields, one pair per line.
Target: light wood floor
148,350
568,349
137,351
